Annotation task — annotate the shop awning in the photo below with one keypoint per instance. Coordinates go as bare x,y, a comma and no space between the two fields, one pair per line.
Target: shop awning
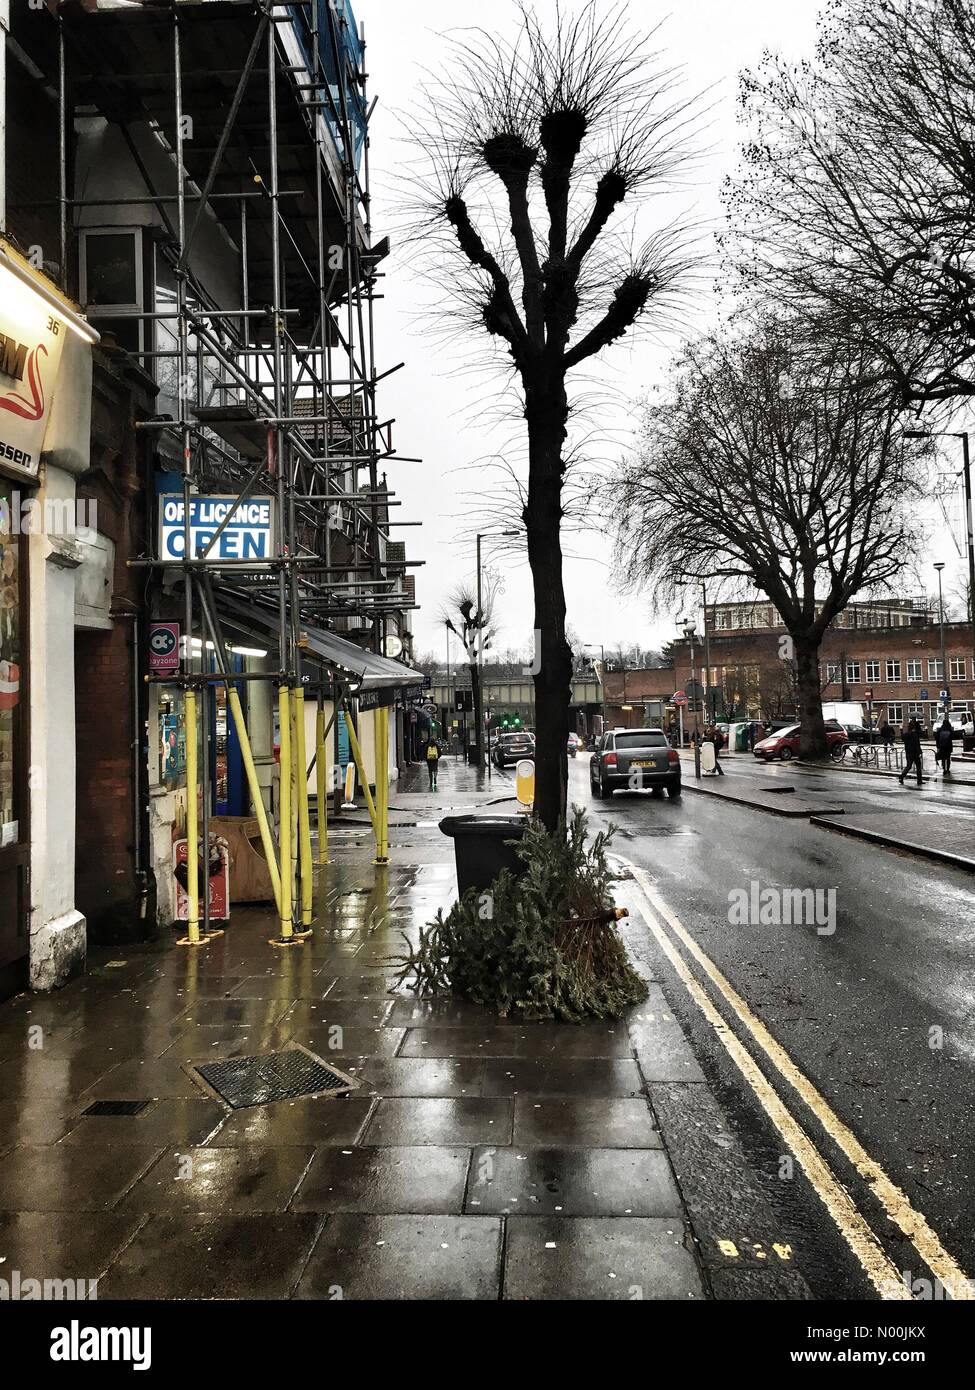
364,670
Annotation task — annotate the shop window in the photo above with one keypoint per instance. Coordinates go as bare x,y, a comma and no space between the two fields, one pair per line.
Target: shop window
12,752
172,737
895,714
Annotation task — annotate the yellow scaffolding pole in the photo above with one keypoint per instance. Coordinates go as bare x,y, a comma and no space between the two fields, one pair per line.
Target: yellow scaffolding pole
361,769
257,800
321,786
304,814
381,730
287,936
192,937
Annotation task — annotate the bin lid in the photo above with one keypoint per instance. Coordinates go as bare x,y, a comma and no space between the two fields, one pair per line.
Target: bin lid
498,827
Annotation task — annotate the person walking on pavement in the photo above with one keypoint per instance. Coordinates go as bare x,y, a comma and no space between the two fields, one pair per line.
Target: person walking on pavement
943,740
718,738
912,749
433,761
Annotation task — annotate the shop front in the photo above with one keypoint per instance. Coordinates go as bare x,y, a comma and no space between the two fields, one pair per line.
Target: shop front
45,413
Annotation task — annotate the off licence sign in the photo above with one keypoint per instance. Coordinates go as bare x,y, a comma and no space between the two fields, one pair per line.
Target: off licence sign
247,535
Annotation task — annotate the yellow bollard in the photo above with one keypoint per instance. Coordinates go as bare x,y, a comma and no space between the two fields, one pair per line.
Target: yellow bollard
192,937
321,784
287,937
260,810
304,814
361,769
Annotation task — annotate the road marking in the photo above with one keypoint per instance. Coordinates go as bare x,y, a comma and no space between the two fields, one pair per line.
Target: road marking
895,1203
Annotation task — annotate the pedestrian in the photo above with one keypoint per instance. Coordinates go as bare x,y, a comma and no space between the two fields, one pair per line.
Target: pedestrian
943,740
912,750
433,761
887,735
718,738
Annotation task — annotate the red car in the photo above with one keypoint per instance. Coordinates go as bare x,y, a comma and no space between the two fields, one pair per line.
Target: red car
785,744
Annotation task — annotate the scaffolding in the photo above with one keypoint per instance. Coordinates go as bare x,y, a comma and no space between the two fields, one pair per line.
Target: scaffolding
261,106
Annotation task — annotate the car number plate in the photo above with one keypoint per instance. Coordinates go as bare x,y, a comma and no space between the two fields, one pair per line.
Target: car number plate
643,762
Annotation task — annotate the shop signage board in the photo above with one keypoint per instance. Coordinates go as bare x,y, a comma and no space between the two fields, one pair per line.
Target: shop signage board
163,648
376,699
31,340
248,534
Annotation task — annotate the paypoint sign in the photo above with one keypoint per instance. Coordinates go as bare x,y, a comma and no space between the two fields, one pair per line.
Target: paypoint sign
247,535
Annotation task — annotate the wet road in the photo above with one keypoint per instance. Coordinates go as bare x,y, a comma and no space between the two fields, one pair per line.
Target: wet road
878,1014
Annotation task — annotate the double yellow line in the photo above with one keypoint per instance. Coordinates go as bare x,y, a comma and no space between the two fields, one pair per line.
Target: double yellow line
854,1228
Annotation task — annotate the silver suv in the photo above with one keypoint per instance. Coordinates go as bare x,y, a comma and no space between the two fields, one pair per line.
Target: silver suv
634,759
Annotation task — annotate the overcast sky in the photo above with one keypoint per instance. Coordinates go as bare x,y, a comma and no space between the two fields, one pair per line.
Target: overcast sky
435,407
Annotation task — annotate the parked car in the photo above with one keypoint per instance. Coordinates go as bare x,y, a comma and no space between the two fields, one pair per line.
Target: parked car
576,745
784,744
511,748
623,753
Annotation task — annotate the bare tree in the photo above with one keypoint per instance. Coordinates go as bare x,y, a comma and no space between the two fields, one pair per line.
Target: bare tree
533,151
795,480
857,200
474,627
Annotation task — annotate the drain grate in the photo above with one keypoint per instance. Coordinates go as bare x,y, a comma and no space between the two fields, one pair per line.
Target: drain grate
245,1081
117,1107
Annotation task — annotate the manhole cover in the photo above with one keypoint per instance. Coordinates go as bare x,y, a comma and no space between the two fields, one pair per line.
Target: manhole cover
245,1081
117,1107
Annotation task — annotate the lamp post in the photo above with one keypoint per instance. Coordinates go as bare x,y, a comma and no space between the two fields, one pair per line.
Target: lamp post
966,469
689,634
479,701
590,647
939,566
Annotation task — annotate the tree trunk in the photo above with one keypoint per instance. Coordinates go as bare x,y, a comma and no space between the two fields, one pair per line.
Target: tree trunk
546,413
812,733
478,702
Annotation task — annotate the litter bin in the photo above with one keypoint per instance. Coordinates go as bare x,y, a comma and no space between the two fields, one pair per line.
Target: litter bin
482,848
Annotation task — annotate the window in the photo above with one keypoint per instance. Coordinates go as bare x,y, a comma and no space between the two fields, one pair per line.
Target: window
914,670
721,619
645,739
895,714
936,672
832,672
12,751
853,672
112,281
956,665
872,672
893,672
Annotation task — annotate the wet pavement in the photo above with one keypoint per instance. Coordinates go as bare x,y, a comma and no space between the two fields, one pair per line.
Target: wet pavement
477,1157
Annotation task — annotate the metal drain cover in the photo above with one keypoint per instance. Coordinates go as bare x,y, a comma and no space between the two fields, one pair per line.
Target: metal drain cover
245,1081
117,1107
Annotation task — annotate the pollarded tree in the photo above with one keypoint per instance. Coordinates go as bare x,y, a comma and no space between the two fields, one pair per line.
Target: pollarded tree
773,464
533,151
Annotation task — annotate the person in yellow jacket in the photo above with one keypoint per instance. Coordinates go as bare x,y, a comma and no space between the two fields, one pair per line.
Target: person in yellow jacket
433,762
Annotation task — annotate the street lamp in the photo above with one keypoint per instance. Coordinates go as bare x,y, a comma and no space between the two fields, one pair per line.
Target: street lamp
478,713
590,647
967,481
689,634
939,566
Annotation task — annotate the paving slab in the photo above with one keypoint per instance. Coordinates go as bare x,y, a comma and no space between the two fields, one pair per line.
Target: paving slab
414,1180
208,1257
318,1120
71,1177
662,1050
405,1257
587,1076
421,1076
163,1122
594,1121
63,1244
608,1258
571,1182
542,1040
464,1120
243,1179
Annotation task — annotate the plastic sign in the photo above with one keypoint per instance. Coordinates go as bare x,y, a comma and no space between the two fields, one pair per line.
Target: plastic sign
525,782
248,534
31,339
163,648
